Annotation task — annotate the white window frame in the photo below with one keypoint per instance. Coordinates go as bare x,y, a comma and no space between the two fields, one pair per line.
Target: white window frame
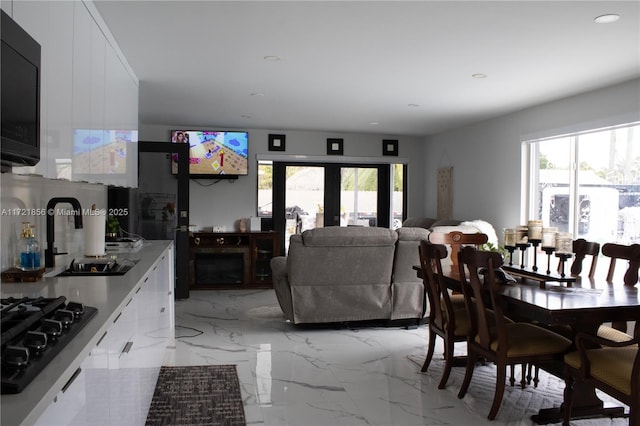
530,175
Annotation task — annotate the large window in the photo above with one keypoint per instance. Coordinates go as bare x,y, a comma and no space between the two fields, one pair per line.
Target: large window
588,183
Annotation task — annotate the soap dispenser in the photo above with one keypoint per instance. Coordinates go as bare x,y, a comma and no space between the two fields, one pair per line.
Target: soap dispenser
29,249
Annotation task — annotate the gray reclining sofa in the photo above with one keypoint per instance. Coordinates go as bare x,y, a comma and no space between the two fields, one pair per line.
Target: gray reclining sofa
338,274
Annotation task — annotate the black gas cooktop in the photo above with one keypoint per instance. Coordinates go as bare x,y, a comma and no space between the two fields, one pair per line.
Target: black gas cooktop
34,331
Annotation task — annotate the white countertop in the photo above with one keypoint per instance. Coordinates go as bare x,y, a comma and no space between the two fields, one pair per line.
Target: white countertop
108,294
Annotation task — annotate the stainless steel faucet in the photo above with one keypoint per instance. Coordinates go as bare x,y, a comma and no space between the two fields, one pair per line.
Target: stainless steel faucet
49,254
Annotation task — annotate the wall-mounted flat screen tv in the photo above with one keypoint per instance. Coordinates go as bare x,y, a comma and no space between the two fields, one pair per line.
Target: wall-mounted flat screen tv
213,154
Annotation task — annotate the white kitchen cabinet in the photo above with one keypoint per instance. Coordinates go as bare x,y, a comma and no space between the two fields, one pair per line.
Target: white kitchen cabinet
56,139
96,103
116,381
121,122
89,95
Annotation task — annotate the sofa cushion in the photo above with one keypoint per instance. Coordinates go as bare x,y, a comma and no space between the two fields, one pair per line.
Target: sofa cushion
412,234
418,222
336,236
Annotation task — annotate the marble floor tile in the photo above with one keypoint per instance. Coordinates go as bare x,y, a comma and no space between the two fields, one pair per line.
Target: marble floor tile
317,376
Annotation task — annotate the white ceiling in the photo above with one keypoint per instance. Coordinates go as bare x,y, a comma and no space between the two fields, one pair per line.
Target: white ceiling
347,64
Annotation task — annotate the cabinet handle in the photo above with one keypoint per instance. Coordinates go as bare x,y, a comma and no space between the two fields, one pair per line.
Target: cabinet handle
162,310
102,338
70,381
129,301
170,293
146,279
138,290
127,348
117,318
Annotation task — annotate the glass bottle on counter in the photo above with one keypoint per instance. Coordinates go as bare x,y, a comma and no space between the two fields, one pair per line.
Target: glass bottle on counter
29,249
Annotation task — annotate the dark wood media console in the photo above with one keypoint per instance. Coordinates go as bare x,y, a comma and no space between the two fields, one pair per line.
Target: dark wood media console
232,260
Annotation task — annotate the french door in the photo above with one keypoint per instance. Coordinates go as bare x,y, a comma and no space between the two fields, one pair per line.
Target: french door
310,195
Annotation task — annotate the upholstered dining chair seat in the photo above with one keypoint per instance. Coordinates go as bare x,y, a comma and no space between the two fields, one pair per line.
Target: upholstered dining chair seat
601,362
463,324
611,333
527,339
457,299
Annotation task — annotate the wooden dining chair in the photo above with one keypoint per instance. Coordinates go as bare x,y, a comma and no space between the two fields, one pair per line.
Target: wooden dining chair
581,249
456,240
503,343
630,253
613,367
447,318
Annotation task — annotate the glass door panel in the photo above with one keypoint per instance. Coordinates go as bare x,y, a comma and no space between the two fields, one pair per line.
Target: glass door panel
397,199
304,199
358,196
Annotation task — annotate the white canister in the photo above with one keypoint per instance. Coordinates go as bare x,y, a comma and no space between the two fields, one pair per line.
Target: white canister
549,236
509,237
564,243
534,230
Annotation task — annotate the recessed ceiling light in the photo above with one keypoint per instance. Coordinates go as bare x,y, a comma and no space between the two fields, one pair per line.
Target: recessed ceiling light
606,19
413,105
479,75
271,58
374,123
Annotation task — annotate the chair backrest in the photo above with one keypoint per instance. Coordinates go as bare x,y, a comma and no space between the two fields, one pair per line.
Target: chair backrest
458,239
630,253
581,249
475,290
430,262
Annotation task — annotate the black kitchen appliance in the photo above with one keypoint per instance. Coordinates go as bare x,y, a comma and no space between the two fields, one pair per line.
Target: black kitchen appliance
34,331
20,95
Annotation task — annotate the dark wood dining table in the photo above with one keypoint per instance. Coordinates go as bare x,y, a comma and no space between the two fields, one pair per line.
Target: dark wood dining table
584,307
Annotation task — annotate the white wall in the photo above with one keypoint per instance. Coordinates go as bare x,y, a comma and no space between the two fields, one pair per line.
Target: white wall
486,157
226,201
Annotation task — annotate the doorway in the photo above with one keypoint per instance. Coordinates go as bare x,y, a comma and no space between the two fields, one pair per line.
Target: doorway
156,154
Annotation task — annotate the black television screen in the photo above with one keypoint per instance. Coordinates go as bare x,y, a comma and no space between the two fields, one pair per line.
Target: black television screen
20,93
213,154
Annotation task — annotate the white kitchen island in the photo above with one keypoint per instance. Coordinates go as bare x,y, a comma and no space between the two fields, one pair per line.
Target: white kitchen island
109,370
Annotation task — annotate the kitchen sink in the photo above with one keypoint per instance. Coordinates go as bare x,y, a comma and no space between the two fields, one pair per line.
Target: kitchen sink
87,267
